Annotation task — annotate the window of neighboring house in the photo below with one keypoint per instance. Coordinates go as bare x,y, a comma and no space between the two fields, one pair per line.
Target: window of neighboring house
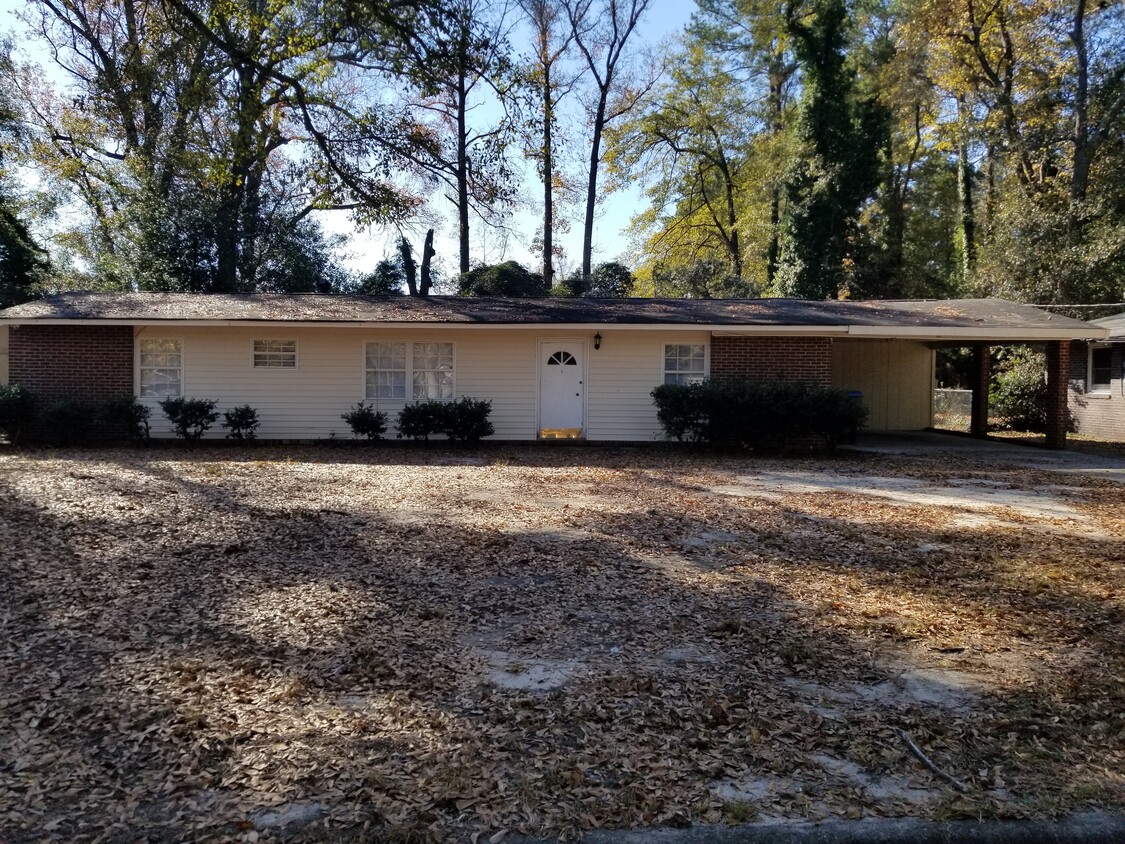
161,368
432,370
1100,368
275,354
684,363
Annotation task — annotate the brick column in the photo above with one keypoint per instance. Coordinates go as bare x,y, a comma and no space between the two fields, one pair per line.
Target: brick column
1058,371
982,375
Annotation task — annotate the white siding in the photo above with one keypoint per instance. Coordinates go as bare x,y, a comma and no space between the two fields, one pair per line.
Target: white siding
3,355
622,375
895,377
496,364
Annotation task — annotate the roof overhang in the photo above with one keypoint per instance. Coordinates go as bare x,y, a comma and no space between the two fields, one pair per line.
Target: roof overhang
856,332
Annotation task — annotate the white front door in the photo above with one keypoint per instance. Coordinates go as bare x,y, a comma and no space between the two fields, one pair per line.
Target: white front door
562,389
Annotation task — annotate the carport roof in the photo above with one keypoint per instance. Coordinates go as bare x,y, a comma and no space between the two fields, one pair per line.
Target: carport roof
975,319
1114,324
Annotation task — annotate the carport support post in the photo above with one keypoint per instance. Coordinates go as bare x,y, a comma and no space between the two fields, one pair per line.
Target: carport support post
1058,375
982,374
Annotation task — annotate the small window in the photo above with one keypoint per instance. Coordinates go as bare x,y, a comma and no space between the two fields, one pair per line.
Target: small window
275,354
433,370
562,359
161,368
1101,368
684,363
386,371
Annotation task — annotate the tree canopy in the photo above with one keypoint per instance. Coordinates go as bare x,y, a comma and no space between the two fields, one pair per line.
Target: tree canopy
811,148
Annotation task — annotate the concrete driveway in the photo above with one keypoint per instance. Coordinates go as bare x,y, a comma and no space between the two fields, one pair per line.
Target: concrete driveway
931,444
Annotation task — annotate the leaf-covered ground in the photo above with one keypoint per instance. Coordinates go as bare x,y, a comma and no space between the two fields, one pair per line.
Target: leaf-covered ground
425,644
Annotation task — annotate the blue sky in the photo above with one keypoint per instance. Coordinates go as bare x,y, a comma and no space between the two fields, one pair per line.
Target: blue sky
665,18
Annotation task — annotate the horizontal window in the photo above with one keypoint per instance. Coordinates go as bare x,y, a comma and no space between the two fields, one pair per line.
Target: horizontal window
684,363
418,371
161,368
275,354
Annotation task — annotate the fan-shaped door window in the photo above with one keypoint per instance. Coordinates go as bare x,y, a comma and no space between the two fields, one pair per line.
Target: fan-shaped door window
562,359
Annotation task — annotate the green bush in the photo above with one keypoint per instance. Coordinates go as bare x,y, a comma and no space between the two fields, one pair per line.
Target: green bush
365,421
65,422
190,418
466,420
1018,396
420,420
463,420
740,413
243,422
128,415
17,407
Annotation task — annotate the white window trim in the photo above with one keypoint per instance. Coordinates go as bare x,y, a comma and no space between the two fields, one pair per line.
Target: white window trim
1090,388
296,354
137,341
664,357
409,371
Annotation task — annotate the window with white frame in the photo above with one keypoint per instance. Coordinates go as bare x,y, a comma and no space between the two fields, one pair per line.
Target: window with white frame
432,370
386,371
275,354
1100,369
684,363
161,368
401,371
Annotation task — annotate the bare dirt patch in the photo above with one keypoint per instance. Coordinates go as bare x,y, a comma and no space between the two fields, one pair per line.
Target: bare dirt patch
249,644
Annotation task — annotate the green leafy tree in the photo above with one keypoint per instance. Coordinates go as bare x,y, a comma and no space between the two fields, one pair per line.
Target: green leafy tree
837,167
510,279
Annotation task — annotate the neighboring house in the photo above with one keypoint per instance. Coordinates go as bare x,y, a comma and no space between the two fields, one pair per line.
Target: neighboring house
3,355
1097,382
551,367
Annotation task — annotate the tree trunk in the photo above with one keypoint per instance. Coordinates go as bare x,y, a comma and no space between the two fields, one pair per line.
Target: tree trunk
1080,175
592,187
427,256
462,172
548,180
409,268
967,218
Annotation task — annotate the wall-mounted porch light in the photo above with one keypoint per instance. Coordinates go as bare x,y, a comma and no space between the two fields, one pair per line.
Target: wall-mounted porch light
597,341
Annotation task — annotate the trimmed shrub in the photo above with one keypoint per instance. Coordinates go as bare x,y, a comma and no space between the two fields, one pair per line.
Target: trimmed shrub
739,413
243,422
17,407
190,418
65,422
128,415
366,421
423,418
466,420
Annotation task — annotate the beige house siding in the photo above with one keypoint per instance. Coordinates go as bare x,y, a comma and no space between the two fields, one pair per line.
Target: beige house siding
496,364
895,377
3,355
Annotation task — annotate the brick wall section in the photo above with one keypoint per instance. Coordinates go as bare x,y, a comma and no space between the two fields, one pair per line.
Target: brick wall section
773,358
1101,414
85,363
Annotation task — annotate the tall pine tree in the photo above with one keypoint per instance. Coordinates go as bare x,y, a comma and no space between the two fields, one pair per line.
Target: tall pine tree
838,167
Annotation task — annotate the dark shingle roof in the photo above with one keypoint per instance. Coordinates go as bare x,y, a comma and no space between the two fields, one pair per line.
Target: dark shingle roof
145,307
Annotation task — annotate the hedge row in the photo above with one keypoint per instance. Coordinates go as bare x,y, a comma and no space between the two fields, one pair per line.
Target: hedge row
463,420
69,422
737,413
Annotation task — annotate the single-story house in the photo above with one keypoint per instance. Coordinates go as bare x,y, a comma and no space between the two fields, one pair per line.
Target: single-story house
580,368
1097,382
